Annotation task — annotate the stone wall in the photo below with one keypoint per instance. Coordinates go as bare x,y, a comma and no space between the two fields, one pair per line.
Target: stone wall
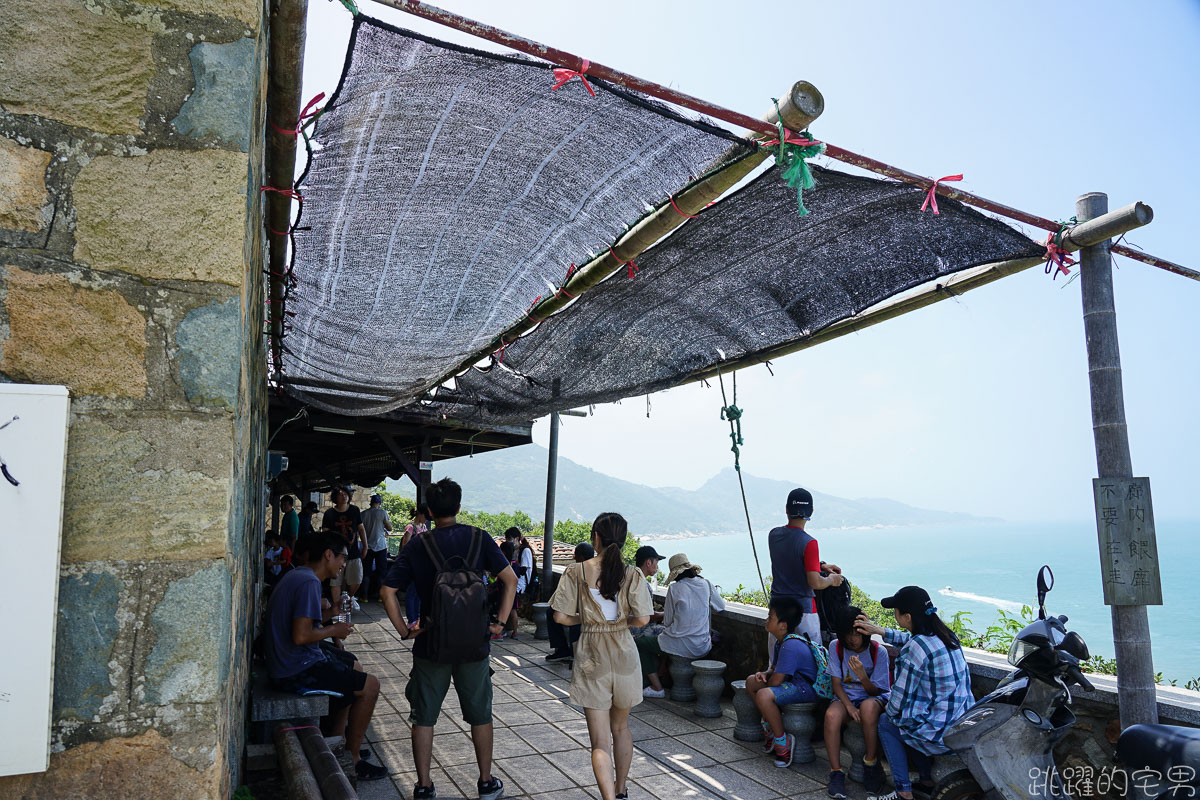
131,258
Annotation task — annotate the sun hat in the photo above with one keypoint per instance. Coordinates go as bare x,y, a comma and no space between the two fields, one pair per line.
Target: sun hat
679,564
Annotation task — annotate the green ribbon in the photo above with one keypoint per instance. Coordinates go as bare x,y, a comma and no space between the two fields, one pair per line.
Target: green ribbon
791,158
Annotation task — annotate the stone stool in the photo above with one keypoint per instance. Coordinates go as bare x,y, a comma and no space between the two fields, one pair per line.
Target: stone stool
709,683
852,740
749,721
682,673
798,720
540,612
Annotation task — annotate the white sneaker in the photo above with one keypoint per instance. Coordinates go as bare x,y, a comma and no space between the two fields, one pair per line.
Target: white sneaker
354,604
657,694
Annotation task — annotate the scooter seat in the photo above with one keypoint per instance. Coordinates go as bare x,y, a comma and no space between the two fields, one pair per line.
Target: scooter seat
1162,748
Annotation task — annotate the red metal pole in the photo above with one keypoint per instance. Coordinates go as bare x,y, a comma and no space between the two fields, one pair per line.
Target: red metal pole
597,70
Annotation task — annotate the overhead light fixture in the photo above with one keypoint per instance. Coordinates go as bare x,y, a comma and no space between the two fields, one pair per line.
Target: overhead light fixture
342,431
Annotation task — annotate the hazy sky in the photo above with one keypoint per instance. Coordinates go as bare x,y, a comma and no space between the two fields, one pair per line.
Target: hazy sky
978,404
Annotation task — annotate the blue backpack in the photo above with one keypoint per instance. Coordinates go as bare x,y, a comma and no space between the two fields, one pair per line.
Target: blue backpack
823,682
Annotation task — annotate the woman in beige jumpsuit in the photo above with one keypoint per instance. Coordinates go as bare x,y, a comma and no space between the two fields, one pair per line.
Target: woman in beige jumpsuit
607,596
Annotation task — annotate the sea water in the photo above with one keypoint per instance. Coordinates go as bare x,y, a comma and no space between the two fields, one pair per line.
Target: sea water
981,569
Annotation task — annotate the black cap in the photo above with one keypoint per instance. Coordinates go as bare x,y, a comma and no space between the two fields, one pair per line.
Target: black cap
644,552
910,600
799,504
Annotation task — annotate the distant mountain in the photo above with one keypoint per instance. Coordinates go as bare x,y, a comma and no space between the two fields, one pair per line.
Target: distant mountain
515,478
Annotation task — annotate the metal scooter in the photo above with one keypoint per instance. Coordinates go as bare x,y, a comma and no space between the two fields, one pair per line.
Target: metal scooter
1007,739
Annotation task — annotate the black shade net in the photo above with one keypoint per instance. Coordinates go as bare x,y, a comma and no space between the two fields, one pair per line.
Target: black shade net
450,188
749,274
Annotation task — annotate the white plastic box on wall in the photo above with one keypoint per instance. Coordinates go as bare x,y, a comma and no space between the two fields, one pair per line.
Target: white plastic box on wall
33,448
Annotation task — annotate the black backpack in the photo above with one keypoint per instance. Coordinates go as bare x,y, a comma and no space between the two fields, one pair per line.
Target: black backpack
458,617
831,605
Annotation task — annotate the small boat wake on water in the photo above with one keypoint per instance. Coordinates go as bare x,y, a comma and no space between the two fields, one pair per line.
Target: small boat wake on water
1007,605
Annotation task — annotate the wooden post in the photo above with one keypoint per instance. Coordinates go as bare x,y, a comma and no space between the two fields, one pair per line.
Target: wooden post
551,489
1131,628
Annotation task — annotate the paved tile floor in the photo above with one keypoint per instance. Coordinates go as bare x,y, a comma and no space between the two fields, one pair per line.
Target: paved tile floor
541,741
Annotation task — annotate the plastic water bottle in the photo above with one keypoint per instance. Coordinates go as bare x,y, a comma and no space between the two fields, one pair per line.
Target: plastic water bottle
345,609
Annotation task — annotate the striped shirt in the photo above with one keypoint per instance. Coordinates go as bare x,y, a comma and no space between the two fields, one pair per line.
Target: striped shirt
931,690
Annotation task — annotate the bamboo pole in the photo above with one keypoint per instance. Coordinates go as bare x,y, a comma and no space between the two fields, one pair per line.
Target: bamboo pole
801,105
325,766
286,65
1136,695
298,776
597,70
1087,233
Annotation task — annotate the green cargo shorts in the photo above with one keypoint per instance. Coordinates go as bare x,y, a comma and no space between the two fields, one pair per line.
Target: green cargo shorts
429,681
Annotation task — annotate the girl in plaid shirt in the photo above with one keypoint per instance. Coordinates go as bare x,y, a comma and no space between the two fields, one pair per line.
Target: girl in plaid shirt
931,690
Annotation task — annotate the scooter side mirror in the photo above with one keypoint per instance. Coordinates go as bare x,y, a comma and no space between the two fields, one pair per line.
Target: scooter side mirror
1073,643
1045,582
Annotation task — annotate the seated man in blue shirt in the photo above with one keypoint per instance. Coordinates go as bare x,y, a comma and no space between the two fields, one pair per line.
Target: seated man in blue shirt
296,660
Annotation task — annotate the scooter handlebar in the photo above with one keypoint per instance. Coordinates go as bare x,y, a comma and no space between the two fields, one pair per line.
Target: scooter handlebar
1076,674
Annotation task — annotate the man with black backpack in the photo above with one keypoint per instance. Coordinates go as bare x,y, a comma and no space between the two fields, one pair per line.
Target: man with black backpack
451,638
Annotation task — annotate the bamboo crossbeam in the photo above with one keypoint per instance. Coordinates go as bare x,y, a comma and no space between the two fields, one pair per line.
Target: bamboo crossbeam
802,104
1095,231
597,70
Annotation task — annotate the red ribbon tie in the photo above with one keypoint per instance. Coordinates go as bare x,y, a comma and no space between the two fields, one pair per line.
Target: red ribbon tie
293,194
563,75
931,195
631,268
307,112
1056,257
790,138
677,208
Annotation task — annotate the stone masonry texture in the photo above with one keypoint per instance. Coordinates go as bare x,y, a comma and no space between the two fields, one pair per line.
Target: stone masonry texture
247,11
22,186
131,270
147,486
224,83
101,350
60,61
208,353
169,215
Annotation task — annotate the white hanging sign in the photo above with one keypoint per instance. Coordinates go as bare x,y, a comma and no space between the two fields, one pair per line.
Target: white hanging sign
33,457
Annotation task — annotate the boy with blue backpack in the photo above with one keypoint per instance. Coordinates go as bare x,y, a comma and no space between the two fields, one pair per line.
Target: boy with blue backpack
798,673
860,669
